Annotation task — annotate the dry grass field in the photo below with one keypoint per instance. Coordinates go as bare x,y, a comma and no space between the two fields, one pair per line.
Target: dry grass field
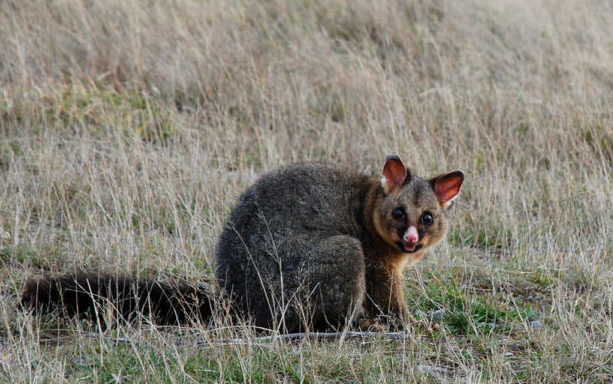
128,128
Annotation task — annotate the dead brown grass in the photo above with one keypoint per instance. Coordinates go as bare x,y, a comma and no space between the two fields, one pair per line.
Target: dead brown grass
128,129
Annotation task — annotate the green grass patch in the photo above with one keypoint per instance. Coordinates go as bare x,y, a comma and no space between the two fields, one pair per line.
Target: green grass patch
106,111
233,363
462,312
45,256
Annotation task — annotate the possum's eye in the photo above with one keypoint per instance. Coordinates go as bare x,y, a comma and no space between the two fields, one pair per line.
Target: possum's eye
427,218
398,213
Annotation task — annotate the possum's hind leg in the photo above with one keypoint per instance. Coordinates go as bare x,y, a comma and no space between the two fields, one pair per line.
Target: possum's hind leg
327,290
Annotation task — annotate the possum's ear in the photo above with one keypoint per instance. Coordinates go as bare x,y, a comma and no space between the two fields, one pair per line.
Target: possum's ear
446,187
395,174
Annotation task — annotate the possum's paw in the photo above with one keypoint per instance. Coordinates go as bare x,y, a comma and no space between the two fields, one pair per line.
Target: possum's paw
375,324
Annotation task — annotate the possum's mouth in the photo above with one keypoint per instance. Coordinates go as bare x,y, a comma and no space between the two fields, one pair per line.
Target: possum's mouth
406,248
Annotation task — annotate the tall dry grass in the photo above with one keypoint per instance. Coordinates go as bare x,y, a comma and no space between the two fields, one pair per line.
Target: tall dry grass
128,129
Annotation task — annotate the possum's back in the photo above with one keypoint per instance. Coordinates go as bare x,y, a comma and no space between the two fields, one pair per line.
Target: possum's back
301,197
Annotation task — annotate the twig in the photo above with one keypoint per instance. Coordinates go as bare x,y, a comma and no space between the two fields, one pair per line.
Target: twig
309,336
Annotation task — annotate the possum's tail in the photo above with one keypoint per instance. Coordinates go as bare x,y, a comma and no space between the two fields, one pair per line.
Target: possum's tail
105,298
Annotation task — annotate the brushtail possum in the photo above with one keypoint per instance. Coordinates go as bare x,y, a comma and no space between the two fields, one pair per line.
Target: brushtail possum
309,246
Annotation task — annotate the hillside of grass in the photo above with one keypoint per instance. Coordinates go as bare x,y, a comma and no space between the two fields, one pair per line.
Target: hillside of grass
128,129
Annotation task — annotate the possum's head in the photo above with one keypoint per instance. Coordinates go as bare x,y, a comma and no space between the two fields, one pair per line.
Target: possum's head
409,211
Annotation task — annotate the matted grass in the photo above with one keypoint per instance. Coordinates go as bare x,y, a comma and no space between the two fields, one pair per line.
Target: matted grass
128,129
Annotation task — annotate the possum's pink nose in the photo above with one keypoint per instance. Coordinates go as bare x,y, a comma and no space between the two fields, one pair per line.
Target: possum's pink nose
411,236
